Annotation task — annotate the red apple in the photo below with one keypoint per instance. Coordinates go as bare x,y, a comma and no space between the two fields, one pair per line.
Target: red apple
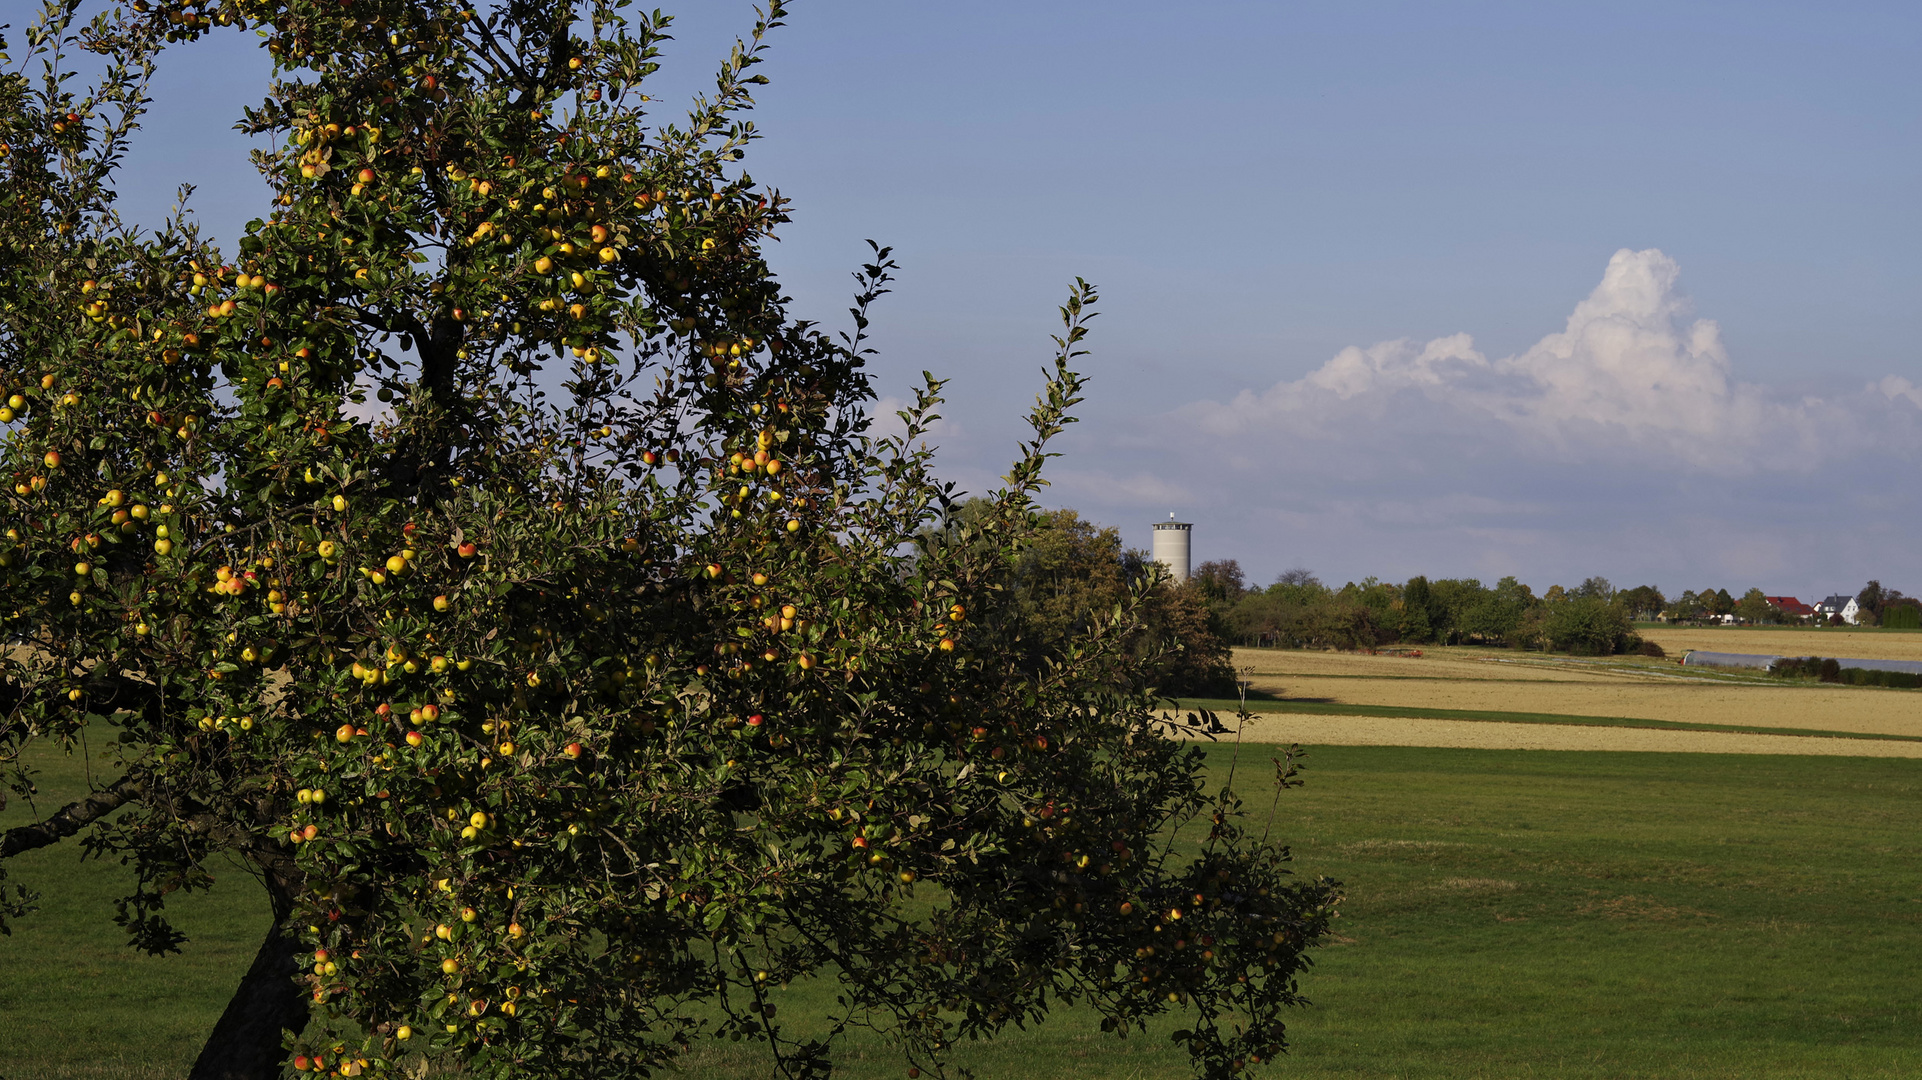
414,738
468,550
574,750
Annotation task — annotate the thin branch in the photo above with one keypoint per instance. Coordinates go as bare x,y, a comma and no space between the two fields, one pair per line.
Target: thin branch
69,820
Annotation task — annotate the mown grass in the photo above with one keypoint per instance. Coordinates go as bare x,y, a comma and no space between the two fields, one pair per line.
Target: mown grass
75,1002
1510,914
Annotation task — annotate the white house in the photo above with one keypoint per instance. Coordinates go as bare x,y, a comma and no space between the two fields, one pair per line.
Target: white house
1838,604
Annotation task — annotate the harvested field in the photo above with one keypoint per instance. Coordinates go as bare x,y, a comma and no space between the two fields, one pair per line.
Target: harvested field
1792,705
1486,735
1433,664
1546,688
1788,641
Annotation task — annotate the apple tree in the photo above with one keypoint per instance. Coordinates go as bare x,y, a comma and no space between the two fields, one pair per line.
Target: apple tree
481,553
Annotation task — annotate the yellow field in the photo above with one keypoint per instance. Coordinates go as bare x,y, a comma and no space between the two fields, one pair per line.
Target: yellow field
1385,731
1789,641
1481,680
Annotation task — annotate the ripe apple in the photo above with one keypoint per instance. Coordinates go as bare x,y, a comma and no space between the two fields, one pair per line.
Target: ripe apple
755,720
366,176
340,504
713,570
429,712
574,751
403,1033
415,738
441,603
344,733
449,966
468,551
52,459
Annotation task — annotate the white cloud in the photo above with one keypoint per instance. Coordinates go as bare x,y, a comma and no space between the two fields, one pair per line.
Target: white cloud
1630,374
1624,443
1895,386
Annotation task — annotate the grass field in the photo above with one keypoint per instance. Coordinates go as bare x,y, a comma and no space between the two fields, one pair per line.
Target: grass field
1510,914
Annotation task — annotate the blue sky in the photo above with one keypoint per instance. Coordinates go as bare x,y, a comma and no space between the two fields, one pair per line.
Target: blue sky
1259,187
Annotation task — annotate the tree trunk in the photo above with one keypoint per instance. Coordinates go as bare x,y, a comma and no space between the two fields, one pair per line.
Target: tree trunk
247,1042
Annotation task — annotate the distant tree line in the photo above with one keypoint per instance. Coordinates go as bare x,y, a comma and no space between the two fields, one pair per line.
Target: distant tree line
1830,670
1299,611
1076,575
1877,606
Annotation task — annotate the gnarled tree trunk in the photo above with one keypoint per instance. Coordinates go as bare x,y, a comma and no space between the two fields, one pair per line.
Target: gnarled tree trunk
247,1042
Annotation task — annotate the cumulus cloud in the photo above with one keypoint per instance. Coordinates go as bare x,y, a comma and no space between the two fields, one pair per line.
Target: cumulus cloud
1632,373
1624,443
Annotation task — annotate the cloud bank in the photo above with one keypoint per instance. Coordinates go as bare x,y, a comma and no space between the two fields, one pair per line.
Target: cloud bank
1623,444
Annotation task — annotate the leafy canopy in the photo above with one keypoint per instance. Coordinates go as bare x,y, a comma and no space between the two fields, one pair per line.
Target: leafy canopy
580,695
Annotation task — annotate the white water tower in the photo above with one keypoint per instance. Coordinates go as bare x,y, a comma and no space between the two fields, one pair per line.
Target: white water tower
1171,546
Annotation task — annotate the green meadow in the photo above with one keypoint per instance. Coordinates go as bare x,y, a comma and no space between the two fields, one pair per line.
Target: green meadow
1509,914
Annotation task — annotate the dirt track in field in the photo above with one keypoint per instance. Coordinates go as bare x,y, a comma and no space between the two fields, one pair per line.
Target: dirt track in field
1500,681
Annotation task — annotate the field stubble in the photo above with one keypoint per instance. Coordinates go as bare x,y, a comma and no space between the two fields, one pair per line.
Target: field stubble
1496,681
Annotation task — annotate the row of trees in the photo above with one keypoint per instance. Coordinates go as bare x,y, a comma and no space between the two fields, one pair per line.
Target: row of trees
1078,570
1593,617
1299,610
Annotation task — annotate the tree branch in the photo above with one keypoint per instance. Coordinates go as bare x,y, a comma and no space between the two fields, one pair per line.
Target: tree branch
69,820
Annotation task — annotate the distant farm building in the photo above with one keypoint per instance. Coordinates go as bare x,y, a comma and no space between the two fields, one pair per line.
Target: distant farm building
1845,606
1789,605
